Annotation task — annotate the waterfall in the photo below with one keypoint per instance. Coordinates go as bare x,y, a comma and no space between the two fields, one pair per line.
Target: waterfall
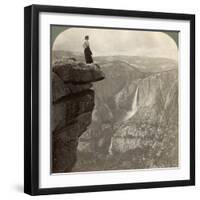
110,148
134,108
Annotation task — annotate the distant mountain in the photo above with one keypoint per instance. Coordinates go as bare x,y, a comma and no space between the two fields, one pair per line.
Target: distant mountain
60,54
144,64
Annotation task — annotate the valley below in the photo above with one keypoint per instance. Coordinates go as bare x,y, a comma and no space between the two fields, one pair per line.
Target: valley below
135,117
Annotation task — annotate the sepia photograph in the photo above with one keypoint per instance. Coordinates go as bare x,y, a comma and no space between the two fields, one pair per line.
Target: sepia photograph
114,99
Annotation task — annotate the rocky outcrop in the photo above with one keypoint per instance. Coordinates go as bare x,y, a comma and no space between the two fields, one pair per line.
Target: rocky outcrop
72,106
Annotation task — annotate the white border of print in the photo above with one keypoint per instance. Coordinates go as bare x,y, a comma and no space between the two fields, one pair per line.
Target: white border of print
48,180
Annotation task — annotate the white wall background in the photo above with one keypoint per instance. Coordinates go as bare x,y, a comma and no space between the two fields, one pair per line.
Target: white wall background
11,99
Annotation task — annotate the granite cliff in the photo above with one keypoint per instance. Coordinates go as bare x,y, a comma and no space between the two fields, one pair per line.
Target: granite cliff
73,100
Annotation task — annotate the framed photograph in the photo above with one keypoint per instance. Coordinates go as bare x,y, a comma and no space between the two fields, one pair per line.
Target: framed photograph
109,100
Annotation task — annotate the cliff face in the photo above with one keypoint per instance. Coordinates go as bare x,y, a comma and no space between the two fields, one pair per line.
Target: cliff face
150,128
72,106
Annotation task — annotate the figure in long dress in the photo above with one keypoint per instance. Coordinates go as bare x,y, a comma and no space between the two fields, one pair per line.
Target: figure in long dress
87,51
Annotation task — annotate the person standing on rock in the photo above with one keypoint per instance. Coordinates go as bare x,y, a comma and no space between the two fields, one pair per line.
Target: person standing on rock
87,51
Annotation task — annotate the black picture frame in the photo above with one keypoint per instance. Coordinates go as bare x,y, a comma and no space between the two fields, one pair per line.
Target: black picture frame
31,98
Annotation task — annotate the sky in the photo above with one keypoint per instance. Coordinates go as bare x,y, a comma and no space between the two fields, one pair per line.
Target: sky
107,42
